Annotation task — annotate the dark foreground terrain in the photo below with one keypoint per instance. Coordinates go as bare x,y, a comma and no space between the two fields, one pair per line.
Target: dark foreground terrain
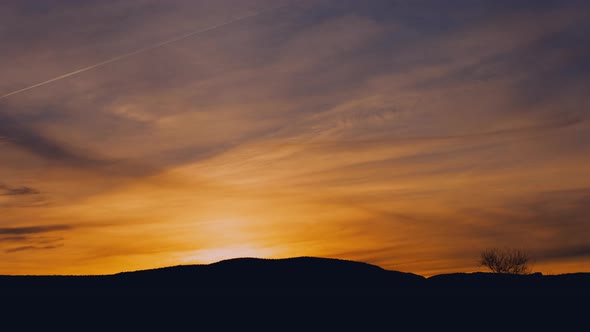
301,276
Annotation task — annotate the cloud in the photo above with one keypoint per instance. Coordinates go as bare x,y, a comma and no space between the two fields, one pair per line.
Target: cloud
23,248
13,238
34,229
550,224
14,132
26,135
33,237
571,252
17,191
23,196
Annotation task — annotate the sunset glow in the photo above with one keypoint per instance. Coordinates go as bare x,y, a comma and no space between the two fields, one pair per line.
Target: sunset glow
406,134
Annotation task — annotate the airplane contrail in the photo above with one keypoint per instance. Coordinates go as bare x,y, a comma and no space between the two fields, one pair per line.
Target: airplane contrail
141,50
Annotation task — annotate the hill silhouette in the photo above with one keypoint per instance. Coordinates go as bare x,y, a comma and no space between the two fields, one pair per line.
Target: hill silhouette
294,276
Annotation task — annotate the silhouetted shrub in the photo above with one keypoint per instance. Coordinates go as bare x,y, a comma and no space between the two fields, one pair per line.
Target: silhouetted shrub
513,261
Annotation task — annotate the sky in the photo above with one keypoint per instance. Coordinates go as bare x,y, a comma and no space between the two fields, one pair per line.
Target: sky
407,134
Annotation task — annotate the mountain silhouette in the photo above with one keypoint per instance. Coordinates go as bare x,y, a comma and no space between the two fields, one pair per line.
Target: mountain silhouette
294,276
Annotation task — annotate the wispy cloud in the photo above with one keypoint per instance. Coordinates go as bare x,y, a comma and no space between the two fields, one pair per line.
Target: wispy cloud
13,132
32,237
23,248
33,229
17,191
567,253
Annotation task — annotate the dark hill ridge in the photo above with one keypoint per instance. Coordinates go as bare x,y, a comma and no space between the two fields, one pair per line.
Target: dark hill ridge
294,276
282,273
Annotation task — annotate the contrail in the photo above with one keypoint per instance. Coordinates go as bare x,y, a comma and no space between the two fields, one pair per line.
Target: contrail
141,50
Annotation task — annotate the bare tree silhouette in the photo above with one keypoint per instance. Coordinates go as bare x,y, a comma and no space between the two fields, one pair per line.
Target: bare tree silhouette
509,260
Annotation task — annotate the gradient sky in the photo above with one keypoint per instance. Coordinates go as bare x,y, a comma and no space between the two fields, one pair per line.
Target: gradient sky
407,134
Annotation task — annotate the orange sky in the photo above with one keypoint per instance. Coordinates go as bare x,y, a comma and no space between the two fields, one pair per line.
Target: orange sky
411,135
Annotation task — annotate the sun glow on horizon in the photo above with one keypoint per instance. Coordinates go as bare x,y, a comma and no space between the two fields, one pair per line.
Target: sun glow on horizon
213,255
